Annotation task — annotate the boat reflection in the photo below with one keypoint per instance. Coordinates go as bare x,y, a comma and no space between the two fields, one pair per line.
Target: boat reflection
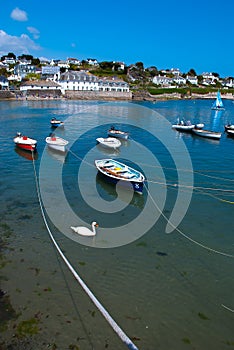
109,189
216,120
26,154
108,151
60,156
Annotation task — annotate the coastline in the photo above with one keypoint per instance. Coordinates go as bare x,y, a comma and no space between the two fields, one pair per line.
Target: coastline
91,95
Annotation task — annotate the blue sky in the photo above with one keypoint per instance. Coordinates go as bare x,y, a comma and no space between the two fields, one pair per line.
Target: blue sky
181,34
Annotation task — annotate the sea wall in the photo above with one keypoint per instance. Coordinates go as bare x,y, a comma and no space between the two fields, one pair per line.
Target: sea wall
6,94
98,95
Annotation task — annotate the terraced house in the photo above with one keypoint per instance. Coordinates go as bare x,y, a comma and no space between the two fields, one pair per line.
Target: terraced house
84,81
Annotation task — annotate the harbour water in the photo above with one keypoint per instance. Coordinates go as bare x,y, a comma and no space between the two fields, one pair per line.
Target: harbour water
161,262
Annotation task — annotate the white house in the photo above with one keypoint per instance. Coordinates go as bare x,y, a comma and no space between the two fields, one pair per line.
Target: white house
179,80
63,64
51,72
162,80
9,60
73,61
192,80
209,78
113,84
4,83
228,83
41,85
176,71
78,81
92,61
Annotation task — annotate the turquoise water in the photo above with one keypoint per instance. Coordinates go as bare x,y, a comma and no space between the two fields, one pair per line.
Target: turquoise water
166,290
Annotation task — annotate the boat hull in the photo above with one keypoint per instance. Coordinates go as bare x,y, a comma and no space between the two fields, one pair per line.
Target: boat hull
229,127
26,147
56,125
109,142
116,172
57,147
218,108
118,134
230,132
184,128
57,143
207,134
136,186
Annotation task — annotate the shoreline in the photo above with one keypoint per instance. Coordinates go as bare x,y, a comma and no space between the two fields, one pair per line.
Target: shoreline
135,96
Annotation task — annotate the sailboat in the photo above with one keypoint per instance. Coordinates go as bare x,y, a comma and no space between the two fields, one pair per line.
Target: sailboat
218,103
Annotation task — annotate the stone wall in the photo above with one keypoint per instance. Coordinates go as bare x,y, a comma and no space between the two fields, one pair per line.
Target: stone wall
5,94
98,95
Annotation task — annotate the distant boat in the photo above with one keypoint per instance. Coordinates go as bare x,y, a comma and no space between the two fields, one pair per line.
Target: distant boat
207,133
114,172
186,126
218,103
56,123
230,132
182,125
25,142
109,142
112,132
229,127
56,143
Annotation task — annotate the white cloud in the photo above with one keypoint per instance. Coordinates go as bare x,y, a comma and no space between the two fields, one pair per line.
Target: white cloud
34,31
19,15
15,44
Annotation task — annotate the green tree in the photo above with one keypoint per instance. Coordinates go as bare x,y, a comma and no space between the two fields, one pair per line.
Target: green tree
192,72
139,65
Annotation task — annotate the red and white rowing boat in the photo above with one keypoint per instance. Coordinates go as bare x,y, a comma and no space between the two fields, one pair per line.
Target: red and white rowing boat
25,142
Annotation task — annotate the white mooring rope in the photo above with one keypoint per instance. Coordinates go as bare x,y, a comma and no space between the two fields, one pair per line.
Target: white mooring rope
126,340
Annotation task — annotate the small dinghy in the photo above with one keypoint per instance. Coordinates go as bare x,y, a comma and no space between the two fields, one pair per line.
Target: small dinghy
112,132
56,143
207,133
55,123
25,142
109,142
114,171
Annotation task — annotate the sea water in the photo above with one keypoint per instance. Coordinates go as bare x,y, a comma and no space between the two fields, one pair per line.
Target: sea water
168,287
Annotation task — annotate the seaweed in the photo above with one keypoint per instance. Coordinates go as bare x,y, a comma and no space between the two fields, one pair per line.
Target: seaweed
28,327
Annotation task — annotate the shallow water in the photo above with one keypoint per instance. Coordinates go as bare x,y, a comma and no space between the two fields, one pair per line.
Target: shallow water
166,290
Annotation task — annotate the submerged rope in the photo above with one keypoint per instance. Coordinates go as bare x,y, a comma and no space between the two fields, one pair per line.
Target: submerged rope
126,340
184,235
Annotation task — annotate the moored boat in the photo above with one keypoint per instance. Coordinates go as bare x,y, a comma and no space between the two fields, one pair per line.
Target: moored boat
55,123
114,171
230,132
207,133
229,127
183,125
113,132
109,142
25,142
56,143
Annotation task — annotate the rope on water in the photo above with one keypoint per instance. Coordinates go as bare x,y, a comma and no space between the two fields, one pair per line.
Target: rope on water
184,235
126,340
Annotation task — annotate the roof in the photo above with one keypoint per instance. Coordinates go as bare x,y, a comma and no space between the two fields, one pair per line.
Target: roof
40,83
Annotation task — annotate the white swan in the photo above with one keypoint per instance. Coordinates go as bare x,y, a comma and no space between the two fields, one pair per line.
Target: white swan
84,231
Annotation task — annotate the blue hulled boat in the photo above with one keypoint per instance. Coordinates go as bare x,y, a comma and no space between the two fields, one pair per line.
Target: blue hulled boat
114,171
